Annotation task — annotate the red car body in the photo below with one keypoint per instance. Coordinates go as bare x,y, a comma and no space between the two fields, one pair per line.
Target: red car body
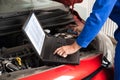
75,72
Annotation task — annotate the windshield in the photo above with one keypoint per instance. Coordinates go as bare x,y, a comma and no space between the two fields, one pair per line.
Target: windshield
21,5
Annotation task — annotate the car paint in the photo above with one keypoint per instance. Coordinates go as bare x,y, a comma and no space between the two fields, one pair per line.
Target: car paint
75,72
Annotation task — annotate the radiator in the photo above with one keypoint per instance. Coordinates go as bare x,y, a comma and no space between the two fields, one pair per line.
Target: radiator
109,28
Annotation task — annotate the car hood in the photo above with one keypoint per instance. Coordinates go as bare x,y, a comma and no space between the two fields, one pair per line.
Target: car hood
23,5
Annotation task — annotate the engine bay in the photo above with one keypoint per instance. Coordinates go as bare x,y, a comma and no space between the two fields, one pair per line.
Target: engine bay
17,56
16,52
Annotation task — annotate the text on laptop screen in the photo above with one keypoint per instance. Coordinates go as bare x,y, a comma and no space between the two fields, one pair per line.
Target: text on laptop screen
35,33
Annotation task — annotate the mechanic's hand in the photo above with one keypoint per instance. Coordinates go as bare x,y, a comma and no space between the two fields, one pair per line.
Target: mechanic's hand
76,28
80,24
64,51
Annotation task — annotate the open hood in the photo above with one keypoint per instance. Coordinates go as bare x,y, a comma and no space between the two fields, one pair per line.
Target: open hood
23,5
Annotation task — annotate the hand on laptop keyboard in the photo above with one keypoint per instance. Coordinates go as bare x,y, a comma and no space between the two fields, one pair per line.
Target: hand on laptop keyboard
64,51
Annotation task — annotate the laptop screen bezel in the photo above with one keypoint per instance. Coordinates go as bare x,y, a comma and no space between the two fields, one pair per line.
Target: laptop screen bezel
24,27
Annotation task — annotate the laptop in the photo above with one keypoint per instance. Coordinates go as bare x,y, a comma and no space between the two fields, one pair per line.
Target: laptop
45,45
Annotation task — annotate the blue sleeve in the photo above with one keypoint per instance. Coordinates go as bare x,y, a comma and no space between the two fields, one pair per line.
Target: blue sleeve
100,12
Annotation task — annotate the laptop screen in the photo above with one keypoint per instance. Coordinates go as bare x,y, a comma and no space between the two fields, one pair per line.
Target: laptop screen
35,33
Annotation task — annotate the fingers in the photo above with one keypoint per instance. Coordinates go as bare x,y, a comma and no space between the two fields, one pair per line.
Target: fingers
60,51
56,51
64,55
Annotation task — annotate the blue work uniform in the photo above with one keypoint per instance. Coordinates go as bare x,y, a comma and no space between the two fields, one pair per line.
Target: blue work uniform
102,9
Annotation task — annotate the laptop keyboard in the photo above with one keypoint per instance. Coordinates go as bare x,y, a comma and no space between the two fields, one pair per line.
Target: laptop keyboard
55,43
59,42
